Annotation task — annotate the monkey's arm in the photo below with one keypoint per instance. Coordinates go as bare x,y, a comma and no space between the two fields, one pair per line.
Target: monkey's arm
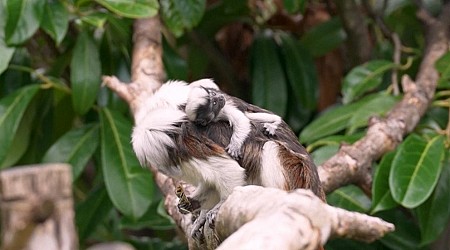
271,121
241,128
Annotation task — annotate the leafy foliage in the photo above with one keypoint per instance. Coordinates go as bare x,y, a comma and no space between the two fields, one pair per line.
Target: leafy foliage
53,108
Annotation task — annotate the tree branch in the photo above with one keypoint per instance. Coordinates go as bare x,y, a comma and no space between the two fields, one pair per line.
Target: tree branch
291,220
352,164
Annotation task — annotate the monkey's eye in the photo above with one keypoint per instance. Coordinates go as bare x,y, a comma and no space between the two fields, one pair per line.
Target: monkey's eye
214,103
213,93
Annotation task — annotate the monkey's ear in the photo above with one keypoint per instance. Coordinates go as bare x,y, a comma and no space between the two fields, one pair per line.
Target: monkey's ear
206,83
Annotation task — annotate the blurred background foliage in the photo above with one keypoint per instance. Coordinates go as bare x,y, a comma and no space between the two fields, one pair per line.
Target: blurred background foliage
325,66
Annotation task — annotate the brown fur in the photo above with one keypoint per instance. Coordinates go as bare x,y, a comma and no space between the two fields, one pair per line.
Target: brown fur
300,169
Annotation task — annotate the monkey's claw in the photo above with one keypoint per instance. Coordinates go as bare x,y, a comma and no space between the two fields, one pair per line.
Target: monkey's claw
270,128
197,228
211,217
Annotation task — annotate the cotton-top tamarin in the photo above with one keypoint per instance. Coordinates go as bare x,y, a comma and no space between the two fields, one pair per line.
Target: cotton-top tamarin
192,148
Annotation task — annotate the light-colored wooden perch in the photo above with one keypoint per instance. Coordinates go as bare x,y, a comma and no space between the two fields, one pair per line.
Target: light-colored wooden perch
255,217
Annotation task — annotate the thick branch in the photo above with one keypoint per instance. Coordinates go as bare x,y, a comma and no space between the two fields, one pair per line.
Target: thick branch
352,164
291,220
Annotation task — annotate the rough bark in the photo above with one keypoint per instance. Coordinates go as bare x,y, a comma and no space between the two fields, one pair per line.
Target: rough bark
37,208
291,220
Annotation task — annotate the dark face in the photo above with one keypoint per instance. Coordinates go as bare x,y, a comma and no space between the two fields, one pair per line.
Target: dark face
210,110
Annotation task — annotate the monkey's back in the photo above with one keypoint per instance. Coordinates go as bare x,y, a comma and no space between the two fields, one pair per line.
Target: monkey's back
299,169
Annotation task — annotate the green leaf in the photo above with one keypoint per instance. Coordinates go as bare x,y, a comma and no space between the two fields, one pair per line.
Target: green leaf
350,198
182,15
324,153
85,73
56,20
132,9
22,19
12,108
434,214
415,170
335,140
75,147
97,19
293,6
324,37
6,52
331,121
91,212
129,186
364,78
382,197
442,65
269,87
379,105
151,219
21,139
300,71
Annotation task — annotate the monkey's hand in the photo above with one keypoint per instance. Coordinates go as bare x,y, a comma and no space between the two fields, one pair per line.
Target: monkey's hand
270,128
211,215
234,150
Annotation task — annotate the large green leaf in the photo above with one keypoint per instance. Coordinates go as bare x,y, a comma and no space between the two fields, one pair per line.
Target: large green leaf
56,20
269,87
324,37
382,197
182,15
85,73
300,71
335,140
130,187
23,19
5,51
434,214
378,106
151,219
324,153
75,147
442,65
350,198
92,211
333,120
12,108
132,9
364,78
415,170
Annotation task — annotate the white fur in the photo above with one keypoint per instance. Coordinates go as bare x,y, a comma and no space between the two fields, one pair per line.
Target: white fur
150,140
206,83
170,95
241,127
272,172
216,176
197,97
271,121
